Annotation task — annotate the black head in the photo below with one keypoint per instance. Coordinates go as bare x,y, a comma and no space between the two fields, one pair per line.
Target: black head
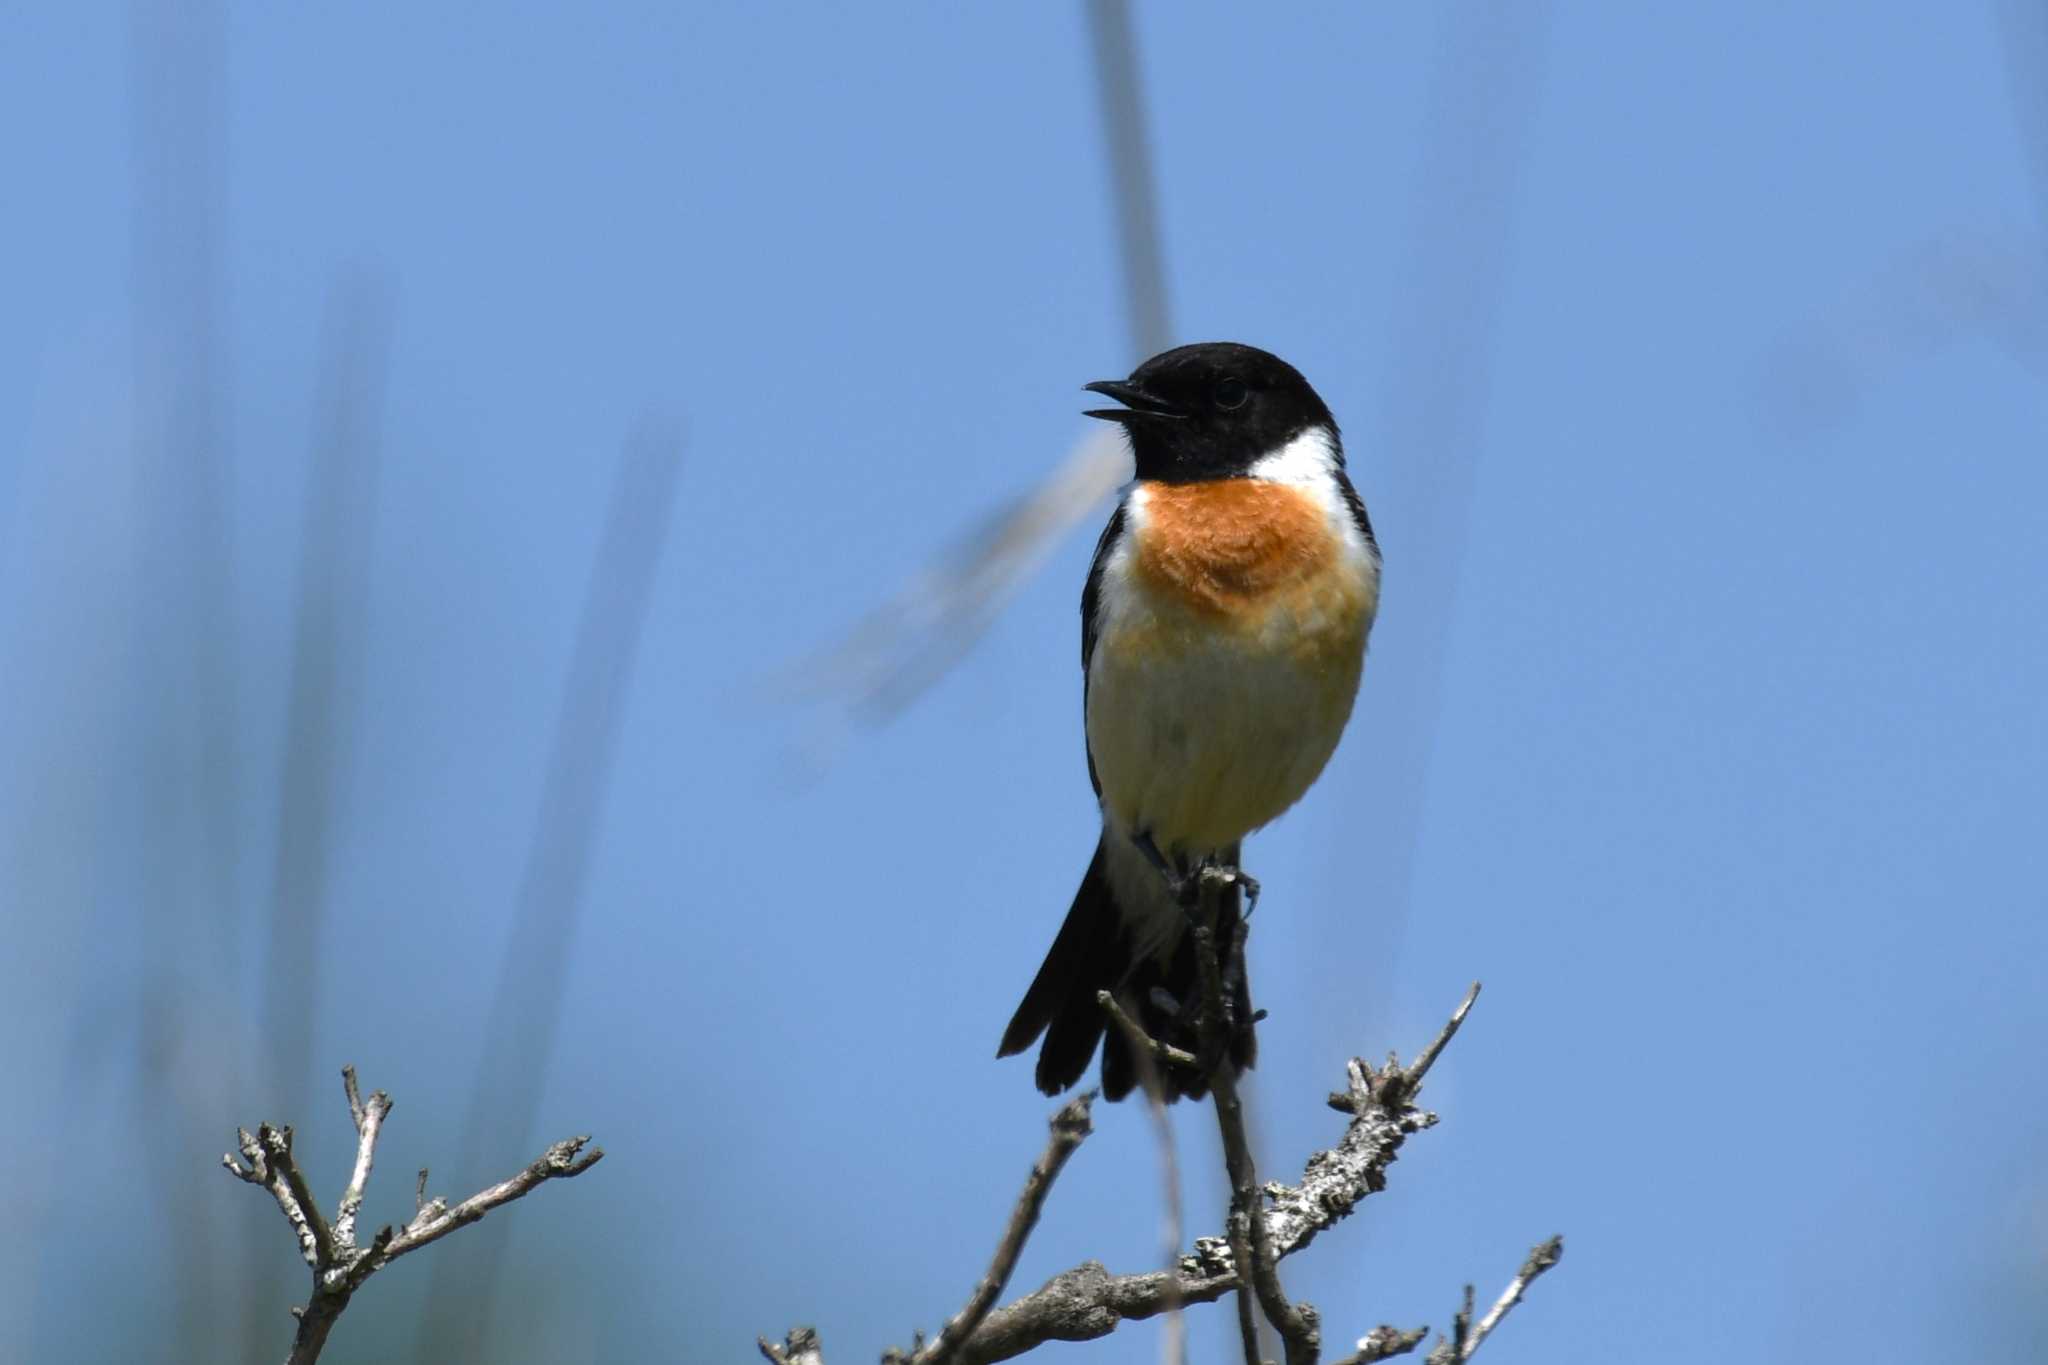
1208,411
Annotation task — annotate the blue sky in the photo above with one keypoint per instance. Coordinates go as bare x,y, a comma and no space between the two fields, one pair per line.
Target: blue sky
1691,361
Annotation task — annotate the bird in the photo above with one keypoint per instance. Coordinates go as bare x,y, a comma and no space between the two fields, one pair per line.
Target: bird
1223,634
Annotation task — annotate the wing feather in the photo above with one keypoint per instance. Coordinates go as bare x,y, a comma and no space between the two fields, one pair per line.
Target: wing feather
1091,601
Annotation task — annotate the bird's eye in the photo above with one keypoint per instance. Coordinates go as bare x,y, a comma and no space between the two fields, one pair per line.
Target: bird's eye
1231,393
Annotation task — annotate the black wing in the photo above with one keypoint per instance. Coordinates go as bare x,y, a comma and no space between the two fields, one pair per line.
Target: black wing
1091,596
1357,506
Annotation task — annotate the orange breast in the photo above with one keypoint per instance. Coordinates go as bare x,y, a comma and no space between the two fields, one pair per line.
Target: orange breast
1226,547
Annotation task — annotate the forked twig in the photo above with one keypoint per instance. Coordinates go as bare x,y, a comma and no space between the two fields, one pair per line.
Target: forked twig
1219,949
339,1266
1088,1302
1467,1336
1070,1127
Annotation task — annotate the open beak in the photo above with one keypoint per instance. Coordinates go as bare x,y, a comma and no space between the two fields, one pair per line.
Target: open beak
1139,406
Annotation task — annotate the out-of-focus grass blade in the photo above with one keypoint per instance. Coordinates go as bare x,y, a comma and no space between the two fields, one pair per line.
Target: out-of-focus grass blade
1948,289
905,645
2025,23
901,647
327,629
526,1008
1120,88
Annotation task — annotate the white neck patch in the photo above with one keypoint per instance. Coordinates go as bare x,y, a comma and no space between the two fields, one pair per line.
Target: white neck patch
1311,464
1307,461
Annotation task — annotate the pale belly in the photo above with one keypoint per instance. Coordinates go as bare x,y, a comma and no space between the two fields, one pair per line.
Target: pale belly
1204,729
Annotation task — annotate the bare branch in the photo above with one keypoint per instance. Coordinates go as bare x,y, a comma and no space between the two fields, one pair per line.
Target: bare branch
1467,1337
564,1160
1251,1240
339,1267
1382,1105
1152,1055
1087,1302
1421,1065
356,1109
311,1226
269,1154
1384,1343
1161,1054
1070,1127
1247,1322
369,1120
800,1347
1458,1345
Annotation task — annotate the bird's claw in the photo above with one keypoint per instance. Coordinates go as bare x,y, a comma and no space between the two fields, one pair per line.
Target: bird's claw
1224,875
1186,887
1185,890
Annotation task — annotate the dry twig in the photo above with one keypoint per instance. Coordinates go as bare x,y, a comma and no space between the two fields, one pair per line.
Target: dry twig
1251,1239
1088,1302
800,1347
340,1266
1384,1343
1147,1048
1466,1336
1070,1127
1152,1055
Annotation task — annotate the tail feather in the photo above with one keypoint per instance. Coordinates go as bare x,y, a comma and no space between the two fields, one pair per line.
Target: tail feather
1091,954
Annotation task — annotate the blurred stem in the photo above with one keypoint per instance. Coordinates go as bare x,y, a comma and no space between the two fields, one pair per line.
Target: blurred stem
527,1007
333,573
1132,185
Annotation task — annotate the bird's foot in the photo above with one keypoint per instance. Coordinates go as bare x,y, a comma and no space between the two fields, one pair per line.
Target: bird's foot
1186,885
1222,874
1185,889
1178,1023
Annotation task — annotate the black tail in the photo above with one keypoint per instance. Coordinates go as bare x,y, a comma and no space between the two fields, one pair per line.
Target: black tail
1091,954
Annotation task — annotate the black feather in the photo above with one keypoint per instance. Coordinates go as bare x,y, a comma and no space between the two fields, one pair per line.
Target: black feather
1356,506
1091,600
1091,955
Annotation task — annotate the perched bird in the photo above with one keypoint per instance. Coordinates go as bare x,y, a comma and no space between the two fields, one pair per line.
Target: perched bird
1223,631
